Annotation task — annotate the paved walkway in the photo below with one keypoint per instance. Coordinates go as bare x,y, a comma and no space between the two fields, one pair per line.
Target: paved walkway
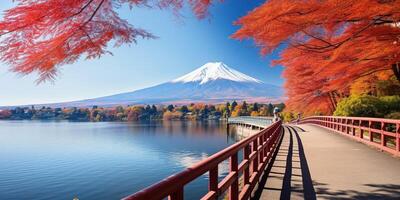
315,163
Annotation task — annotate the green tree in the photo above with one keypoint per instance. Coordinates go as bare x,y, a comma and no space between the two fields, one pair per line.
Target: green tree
147,108
244,111
388,87
119,109
391,103
184,109
255,107
170,108
233,106
360,106
270,109
154,110
227,111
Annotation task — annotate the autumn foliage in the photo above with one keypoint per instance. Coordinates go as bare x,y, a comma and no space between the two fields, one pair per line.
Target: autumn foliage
329,45
41,35
193,111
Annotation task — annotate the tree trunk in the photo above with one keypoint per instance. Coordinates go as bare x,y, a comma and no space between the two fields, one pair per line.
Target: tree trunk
332,101
396,70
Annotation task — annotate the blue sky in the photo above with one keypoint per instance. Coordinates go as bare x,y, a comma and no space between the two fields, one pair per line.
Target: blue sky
184,44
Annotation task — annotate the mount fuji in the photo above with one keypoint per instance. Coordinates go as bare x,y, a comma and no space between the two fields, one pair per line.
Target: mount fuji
213,82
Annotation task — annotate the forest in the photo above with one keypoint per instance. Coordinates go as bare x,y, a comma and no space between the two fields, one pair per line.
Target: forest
192,111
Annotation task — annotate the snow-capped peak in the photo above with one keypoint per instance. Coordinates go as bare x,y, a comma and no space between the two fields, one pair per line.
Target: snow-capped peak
213,71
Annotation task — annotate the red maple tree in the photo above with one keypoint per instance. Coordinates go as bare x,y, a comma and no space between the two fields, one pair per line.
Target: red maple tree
329,45
40,35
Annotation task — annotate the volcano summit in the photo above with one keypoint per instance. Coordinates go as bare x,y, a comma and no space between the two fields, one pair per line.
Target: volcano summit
213,82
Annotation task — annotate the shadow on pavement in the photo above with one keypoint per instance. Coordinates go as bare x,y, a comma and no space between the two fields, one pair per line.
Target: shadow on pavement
263,180
376,192
309,192
287,189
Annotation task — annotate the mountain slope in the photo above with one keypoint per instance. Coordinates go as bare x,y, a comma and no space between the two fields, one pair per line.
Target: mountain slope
212,82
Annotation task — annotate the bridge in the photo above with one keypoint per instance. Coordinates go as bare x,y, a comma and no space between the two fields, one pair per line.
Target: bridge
252,122
320,157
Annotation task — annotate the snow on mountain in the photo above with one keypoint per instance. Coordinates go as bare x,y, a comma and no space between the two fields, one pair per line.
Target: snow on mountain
213,71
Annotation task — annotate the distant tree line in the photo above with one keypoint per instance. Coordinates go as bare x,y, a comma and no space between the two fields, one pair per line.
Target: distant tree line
192,111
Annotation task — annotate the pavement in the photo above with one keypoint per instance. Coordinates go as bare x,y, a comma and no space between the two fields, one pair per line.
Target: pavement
316,163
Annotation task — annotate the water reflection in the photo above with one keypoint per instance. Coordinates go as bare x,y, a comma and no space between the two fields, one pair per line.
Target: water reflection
186,160
61,160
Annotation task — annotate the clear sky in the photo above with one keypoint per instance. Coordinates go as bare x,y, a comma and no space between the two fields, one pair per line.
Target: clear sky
184,44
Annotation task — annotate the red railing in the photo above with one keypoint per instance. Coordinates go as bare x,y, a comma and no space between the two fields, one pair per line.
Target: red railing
381,133
257,152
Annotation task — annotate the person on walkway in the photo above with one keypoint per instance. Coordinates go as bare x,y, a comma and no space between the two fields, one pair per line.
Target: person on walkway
276,114
298,118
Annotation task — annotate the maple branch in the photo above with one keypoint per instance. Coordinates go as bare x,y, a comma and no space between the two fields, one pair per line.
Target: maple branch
45,76
367,74
317,38
43,16
94,13
330,46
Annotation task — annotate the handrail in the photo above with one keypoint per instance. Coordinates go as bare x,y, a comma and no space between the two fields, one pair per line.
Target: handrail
381,133
362,118
255,121
257,152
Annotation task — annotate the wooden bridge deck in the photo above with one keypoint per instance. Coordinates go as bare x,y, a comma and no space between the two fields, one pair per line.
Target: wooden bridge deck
316,163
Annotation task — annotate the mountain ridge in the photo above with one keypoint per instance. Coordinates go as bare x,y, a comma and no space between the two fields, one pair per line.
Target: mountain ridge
213,82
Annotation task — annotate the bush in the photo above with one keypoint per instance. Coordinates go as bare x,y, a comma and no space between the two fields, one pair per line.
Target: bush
357,106
287,116
394,115
368,106
392,103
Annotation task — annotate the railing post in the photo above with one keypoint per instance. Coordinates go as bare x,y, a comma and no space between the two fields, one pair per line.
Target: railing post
255,161
246,172
338,124
334,123
342,126
234,189
261,142
177,195
383,143
371,135
213,181
342,123
265,148
398,138
361,130
269,143
327,121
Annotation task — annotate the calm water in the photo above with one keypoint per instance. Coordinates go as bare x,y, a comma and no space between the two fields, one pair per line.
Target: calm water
61,160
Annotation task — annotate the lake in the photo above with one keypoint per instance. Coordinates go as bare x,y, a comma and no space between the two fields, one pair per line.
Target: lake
107,160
